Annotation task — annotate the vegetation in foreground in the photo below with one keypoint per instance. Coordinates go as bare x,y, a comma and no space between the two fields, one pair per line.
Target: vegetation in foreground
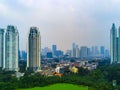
99,79
59,87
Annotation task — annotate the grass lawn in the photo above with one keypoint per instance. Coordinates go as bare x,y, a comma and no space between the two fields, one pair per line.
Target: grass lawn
59,87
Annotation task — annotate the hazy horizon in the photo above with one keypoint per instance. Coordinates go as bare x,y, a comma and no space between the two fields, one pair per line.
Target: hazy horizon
62,22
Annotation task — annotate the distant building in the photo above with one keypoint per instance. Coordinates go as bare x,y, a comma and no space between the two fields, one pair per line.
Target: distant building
95,51
23,55
77,52
73,50
59,53
45,51
107,53
84,52
49,55
89,52
102,50
33,52
54,49
68,52
2,46
11,48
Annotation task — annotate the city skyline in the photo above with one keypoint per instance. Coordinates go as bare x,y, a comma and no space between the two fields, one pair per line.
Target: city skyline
83,22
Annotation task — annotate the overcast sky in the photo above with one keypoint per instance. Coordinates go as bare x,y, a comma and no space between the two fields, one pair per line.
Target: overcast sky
62,22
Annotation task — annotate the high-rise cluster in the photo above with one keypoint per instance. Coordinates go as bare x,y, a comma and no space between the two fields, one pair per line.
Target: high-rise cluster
85,52
115,44
79,52
9,49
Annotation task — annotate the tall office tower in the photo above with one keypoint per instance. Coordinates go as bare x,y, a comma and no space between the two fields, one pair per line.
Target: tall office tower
89,52
11,48
77,52
73,50
68,52
119,45
95,51
107,53
33,50
102,50
117,49
54,49
83,52
113,52
1,47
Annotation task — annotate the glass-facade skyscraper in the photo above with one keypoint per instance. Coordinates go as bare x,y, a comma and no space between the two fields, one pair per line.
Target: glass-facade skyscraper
119,46
2,46
113,35
11,48
33,49
115,45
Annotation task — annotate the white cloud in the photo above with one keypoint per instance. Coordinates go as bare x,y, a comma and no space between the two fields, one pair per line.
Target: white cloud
74,18
27,3
8,12
3,9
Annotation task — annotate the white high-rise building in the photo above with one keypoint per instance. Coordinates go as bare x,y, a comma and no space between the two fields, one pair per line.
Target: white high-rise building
34,49
11,49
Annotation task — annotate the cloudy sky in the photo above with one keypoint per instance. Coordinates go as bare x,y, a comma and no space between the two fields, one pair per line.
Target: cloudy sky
62,22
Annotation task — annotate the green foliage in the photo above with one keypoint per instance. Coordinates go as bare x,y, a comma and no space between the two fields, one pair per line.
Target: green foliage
99,79
82,71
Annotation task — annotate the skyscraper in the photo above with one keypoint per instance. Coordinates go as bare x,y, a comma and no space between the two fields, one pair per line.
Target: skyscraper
11,48
107,53
1,47
83,52
102,50
77,52
89,52
119,46
33,49
113,42
95,51
73,50
54,49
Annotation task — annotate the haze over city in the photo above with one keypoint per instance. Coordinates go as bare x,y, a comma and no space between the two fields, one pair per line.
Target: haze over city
60,44
62,22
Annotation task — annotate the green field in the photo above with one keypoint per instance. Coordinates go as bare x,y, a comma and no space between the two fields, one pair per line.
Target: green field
59,87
